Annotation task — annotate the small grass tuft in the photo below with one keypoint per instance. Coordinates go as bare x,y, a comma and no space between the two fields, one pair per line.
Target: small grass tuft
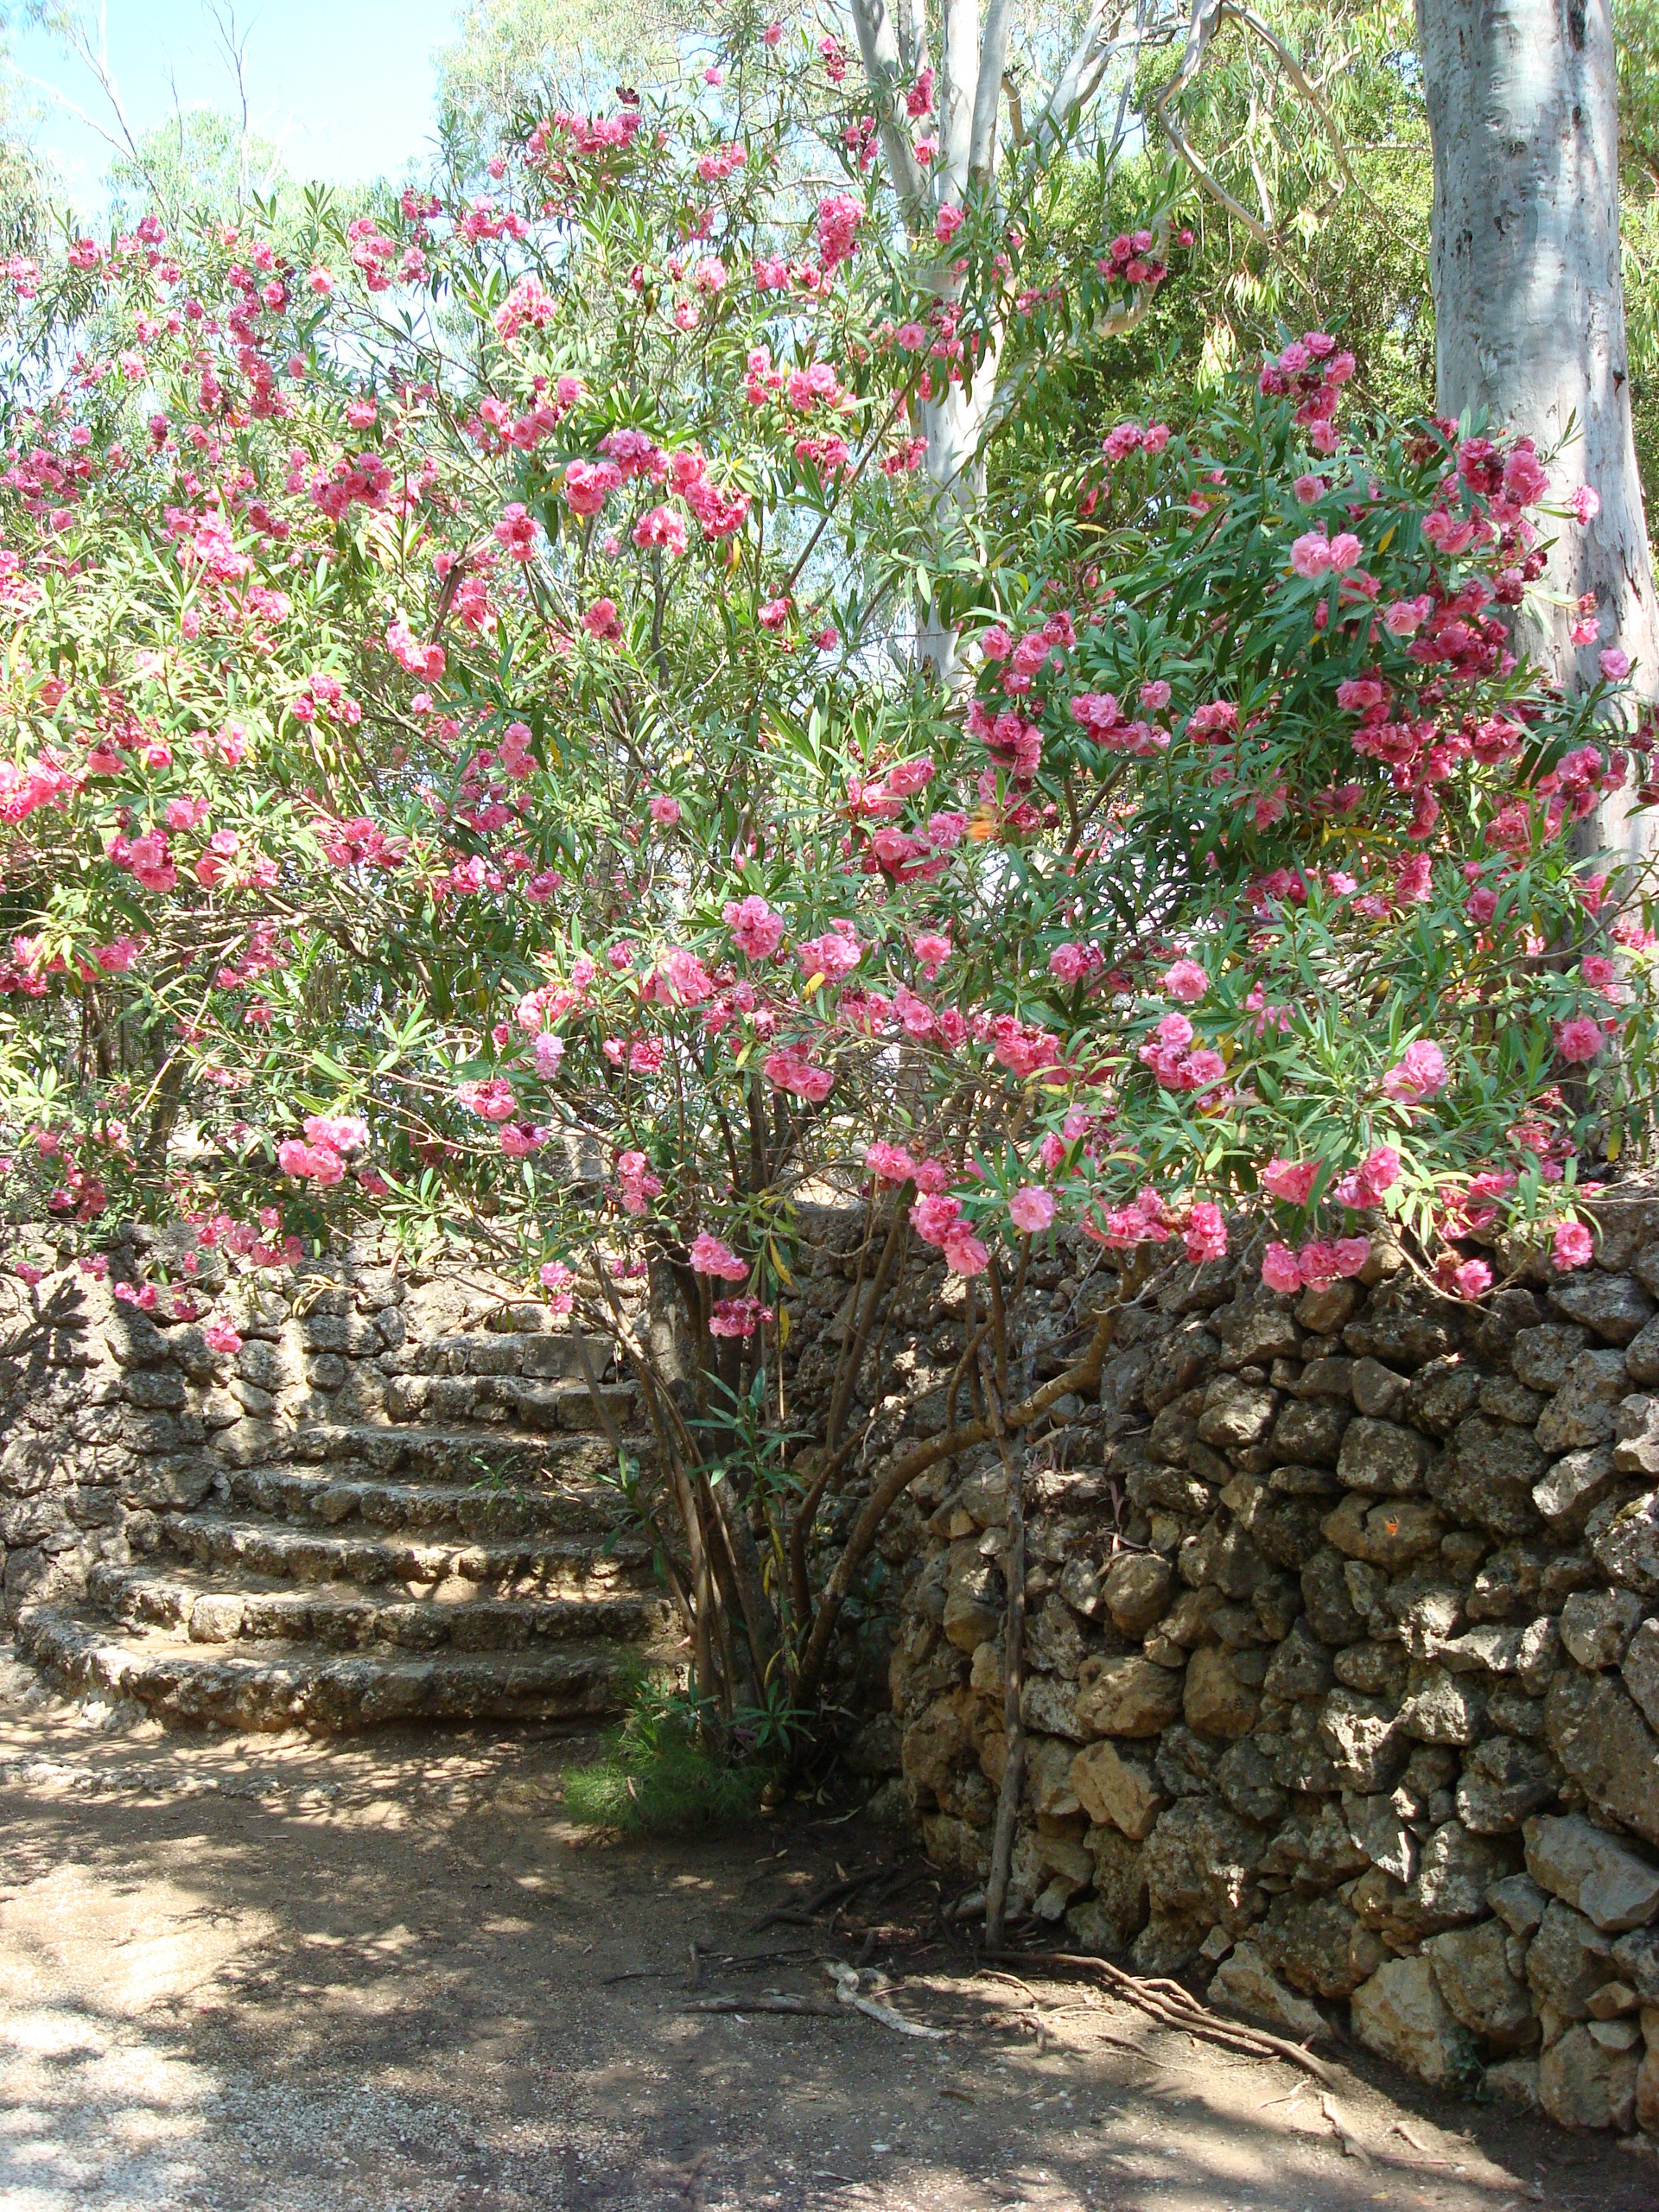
656,1777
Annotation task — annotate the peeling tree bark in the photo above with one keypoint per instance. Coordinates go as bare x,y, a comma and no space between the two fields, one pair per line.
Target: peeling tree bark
1528,302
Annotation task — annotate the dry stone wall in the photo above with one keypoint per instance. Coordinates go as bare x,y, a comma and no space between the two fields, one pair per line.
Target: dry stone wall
1343,1659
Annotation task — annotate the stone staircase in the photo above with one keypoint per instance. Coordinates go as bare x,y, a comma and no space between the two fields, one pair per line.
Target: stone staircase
353,1573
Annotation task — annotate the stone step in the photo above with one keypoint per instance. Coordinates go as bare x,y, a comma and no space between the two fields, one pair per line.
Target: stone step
489,1508
302,1685
540,1355
450,1455
341,1618
532,1404
551,1566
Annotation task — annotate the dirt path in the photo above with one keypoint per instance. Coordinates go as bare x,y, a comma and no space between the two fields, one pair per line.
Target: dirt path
270,1973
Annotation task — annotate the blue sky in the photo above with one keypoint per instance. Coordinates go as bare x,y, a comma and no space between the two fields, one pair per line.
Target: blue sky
343,86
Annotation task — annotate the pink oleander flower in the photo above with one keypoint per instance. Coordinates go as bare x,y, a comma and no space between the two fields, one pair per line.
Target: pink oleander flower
1281,1270
934,1215
341,1133
1615,664
932,950
758,929
738,1317
1185,981
491,1099
664,810
219,1336
889,1163
1419,1073
1572,1247
1473,1278
1579,1039
1292,1180
964,1254
791,1069
709,1256
1032,1209
1206,1234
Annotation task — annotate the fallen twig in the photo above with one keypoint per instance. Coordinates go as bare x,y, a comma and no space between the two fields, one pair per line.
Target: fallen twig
1177,2008
800,1916
767,2004
846,1980
1352,2146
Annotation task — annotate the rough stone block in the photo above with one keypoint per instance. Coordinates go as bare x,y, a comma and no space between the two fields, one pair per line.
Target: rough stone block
1580,2084
1127,1697
1604,1878
1400,2014
1116,1790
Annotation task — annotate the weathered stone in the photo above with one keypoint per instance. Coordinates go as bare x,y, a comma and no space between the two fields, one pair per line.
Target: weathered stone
1200,1863
1636,1436
1485,1476
1454,1871
1471,1970
1567,1960
1119,1908
1359,1733
1641,1668
1596,1626
1378,1392
1388,1534
1505,1399
1402,1327
1400,2014
217,1618
1441,1394
1585,1409
1184,1358
1309,1431
1215,1700
1642,1353
1319,1945
1605,1746
1257,1330
1248,1984
1381,1456
1616,1308
1332,1376
1503,1780
1049,1702
1624,1539
1244,1777
1379,1830
1636,1960
1300,1668
1519,1903
1048,1776
1127,1697
1331,1613
1235,1412
1542,1358
1582,2085
1119,1791
1445,1708
1137,1588
935,1743
1647,2091
1324,1310
973,1604
1054,1641
1572,1488
1592,1870
1185,1763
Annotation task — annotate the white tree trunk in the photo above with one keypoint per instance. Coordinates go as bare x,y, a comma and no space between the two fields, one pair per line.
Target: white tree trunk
1529,306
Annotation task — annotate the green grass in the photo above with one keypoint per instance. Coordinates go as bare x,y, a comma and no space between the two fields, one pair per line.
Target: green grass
654,1776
